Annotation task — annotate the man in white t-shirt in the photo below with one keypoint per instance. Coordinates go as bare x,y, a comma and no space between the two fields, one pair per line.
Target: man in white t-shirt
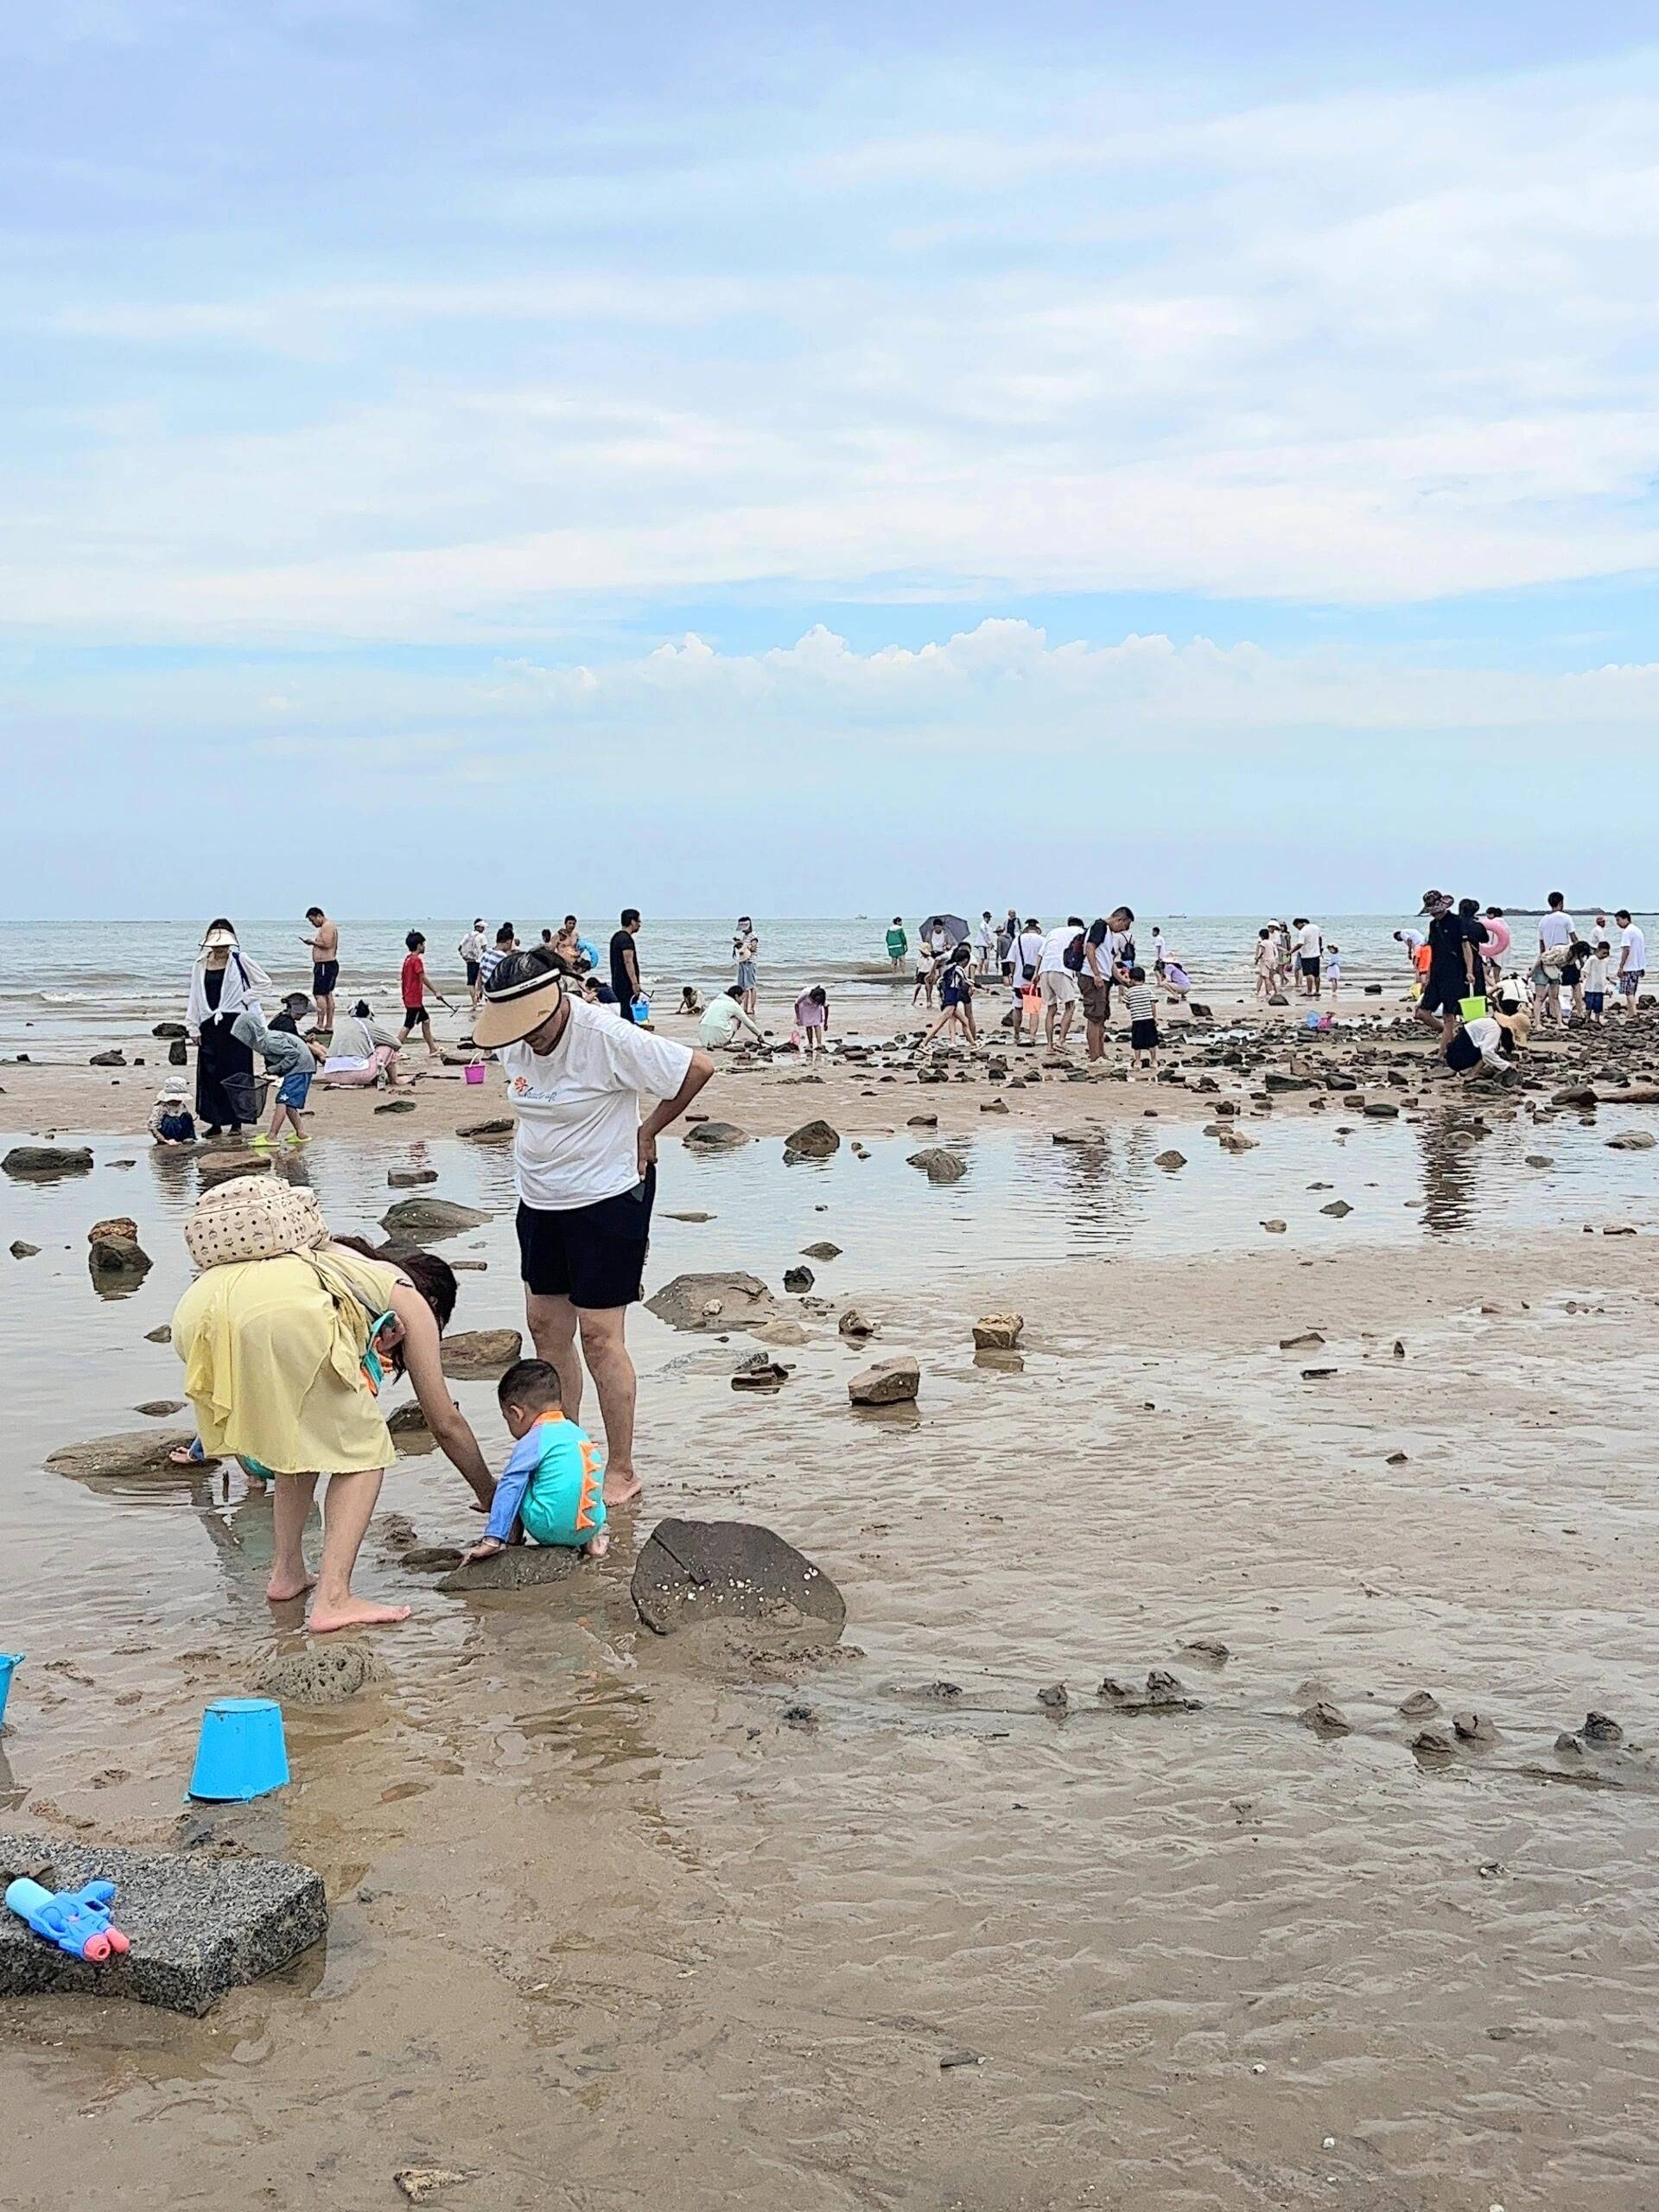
585,1168
985,943
1310,956
1057,977
1632,957
1556,931
472,949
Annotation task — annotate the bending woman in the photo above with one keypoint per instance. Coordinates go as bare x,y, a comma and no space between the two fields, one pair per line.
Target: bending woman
282,1363
360,1052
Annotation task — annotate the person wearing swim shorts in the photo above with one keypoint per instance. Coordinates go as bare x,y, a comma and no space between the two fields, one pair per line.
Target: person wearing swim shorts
324,941
550,1487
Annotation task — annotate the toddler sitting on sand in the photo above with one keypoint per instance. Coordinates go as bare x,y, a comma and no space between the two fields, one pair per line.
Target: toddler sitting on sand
551,1484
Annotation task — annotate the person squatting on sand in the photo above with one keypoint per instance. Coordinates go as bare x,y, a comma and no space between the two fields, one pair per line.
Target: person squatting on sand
550,1487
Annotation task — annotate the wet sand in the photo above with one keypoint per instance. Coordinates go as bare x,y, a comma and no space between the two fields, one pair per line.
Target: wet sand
617,1918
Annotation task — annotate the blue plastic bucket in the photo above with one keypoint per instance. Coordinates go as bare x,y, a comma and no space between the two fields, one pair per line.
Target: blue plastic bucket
9,1662
240,1754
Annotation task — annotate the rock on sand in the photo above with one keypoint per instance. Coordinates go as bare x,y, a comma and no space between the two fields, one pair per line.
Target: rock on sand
998,1331
733,1301
40,1162
429,1221
482,1354
691,1571
812,1141
938,1165
888,1383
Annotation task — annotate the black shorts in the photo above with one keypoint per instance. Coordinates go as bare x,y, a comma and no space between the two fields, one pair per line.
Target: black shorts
472,973
413,1017
1143,1036
325,974
1309,967
593,1255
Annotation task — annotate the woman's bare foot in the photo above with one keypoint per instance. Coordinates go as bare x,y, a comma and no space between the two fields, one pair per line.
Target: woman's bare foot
621,1484
354,1613
282,1587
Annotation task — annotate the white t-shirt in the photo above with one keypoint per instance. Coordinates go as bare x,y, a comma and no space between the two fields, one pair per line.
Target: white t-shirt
578,1107
1557,929
1485,1035
1056,945
1028,948
472,946
1635,946
984,938
1595,972
721,1020
1411,938
1312,943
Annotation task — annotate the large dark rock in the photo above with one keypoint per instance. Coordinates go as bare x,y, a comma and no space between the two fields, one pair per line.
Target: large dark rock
812,1141
199,1925
169,1029
716,1136
485,1132
689,1571
889,1383
733,1301
178,1053
214,1168
429,1221
40,1162
938,1165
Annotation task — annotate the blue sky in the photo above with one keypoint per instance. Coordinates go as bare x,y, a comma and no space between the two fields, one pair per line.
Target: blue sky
723,459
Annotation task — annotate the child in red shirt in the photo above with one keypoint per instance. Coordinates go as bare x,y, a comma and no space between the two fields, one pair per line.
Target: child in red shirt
414,989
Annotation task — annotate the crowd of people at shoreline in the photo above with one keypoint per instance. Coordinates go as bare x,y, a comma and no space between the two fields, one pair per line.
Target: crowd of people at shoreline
284,1359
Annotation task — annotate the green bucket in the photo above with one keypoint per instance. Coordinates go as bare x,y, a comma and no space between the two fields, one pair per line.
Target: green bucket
1471,1009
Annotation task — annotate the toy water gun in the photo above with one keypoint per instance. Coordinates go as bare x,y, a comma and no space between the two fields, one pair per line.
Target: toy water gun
77,1921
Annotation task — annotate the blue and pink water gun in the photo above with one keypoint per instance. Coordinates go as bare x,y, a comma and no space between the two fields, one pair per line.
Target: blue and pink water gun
77,1921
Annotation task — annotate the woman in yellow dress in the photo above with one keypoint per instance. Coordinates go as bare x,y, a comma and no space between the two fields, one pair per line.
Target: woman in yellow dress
283,1359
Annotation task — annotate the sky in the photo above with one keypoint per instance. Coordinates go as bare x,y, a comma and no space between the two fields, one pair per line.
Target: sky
525,454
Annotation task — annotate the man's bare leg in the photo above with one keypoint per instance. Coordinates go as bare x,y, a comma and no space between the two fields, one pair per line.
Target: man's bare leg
604,1347
346,1514
553,1332
290,1508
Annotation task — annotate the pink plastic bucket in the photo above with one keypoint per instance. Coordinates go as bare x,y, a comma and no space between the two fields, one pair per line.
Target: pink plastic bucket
474,1073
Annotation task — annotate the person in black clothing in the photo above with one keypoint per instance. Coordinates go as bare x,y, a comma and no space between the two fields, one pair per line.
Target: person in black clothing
1456,935
625,962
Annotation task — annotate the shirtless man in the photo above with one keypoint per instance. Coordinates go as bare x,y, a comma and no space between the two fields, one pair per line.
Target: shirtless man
325,965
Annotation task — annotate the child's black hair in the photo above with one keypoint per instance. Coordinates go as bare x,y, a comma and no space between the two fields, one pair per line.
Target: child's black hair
415,940
532,1384
1137,974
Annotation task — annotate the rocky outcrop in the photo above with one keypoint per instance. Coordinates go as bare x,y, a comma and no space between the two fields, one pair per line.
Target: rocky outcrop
730,1301
40,1163
429,1221
692,1571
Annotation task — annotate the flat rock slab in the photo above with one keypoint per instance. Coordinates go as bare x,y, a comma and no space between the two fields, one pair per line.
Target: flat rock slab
429,1221
484,1132
521,1566
40,1162
716,1136
481,1353
199,1925
133,1452
735,1301
691,1571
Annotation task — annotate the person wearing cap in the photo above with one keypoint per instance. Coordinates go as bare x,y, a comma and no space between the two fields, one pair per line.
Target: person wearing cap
585,1169
1490,1043
224,983
1456,936
170,1121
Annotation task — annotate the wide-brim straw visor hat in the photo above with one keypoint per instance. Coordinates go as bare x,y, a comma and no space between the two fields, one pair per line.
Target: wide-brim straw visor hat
519,997
219,940
1519,1025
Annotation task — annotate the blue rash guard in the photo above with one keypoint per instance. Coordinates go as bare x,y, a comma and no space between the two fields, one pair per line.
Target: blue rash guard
552,1483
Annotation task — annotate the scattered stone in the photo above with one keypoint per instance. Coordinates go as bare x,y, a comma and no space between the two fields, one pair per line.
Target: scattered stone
1235,1140
923,1122
1579,1095
169,1030
482,1355
689,1571
1474,1728
396,1106
690,1217
499,1125
200,1922
1326,1719
1540,1160
1054,1698
161,1336
1208,1647
812,1141
1167,1690
798,1279
1419,1705
857,1325
521,1566
178,1055
419,2183
40,1163
1318,1373
1382,1109
116,1058
889,1383
788,1331
430,1221
320,1674
1433,1744
22,1251
1171,1160
160,1408
1397,1459
994,1106
117,1259
1632,1141
1601,1728
998,1331
734,1301
214,1167
409,1179
133,1452
716,1136
759,1373
1310,1340
1337,1209
938,1165
1273,1228
954,2058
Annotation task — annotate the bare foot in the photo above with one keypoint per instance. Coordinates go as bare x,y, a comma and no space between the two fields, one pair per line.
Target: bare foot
280,1589
621,1484
356,1613
597,1546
